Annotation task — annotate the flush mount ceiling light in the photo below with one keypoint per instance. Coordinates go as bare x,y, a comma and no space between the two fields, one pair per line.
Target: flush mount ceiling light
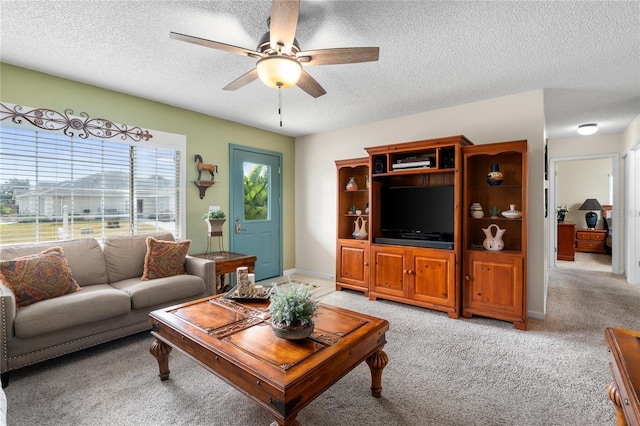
587,129
279,71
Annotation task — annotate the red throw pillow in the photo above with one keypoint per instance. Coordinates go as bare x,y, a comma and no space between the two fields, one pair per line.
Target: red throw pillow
38,277
164,258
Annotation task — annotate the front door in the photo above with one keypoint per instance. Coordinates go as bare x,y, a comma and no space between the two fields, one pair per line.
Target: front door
256,208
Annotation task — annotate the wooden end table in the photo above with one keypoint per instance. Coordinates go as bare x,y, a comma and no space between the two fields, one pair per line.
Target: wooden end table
227,262
235,342
624,389
591,240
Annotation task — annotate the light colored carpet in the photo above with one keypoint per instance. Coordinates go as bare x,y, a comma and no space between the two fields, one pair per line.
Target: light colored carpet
440,372
588,261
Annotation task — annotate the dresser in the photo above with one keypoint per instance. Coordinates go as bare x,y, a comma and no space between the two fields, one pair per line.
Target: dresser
591,240
566,241
624,347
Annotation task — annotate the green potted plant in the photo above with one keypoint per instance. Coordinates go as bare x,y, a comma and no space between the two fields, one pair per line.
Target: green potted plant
292,311
215,219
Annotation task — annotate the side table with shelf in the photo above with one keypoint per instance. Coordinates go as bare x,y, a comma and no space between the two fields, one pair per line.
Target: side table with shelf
591,240
227,263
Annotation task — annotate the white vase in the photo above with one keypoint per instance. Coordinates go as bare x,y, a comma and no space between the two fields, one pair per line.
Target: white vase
360,229
493,242
352,185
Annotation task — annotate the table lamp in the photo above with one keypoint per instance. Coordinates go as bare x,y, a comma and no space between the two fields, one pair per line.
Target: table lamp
590,217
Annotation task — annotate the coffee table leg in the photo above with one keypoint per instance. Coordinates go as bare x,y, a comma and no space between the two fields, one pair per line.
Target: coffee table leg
161,351
377,362
290,422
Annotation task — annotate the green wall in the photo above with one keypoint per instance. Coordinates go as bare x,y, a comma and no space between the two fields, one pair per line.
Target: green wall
206,135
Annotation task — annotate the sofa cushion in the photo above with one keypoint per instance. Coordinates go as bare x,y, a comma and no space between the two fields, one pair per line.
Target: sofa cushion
164,258
84,256
93,303
161,290
125,255
38,277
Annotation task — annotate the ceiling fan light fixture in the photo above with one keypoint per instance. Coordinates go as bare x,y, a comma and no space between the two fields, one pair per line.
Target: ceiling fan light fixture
279,71
587,129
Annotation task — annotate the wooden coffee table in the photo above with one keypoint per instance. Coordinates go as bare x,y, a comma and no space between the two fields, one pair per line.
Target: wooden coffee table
235,342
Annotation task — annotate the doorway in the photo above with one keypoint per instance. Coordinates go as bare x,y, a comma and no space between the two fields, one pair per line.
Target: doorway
611,184
256,207
632,223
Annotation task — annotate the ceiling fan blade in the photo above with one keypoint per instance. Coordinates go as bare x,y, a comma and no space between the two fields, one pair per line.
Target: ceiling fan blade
215,45
242,81
346,55
284,20
309,85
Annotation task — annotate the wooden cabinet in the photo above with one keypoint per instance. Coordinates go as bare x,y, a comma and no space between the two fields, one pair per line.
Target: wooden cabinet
494,282
494,287
418,269
403,268
566,241
352,255
591,240
352,266
419,276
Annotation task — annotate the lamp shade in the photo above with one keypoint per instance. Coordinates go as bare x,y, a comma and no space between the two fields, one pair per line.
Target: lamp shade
590,217
279,71
590,204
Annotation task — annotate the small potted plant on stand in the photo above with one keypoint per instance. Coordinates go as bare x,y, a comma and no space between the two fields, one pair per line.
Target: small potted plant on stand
292,312
215,219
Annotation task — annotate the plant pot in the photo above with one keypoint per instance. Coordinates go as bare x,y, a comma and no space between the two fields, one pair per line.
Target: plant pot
292,332
215,226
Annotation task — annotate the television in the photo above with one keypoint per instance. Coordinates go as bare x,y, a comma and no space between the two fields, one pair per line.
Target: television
418,212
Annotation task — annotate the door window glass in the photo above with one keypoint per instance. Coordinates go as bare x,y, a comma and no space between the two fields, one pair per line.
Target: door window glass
256,191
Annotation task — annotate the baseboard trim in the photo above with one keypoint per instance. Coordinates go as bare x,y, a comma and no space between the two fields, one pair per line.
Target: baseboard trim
536,315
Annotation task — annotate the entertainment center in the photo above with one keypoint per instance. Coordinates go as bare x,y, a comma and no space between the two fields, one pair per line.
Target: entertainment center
422,246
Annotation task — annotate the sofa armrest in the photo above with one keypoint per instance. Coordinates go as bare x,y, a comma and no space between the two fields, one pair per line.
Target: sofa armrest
205,269
7,317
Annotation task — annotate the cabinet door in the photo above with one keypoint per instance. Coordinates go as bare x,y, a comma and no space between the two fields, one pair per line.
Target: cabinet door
566,233
494,285
353,265
388,270
433,273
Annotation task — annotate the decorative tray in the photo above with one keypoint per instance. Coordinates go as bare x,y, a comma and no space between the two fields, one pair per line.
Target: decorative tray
264,295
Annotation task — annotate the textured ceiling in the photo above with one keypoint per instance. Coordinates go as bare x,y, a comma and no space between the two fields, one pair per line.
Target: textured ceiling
433,54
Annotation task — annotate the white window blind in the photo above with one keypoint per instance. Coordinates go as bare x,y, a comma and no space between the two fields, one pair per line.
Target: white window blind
55,187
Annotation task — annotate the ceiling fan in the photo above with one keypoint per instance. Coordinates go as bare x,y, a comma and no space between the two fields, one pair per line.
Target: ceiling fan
280,59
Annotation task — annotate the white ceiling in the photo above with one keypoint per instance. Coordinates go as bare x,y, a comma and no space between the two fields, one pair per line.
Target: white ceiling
433,54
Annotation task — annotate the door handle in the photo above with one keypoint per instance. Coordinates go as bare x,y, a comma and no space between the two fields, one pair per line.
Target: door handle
238,228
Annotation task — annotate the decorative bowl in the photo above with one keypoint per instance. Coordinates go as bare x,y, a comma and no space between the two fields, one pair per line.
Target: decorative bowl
512,214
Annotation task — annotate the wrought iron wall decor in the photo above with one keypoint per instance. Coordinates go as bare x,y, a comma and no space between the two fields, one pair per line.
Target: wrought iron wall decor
71,125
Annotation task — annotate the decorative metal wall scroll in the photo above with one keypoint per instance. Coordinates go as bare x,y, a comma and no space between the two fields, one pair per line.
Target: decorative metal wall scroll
71,125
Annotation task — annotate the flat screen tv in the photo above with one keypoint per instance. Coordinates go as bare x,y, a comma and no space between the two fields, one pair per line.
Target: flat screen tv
418,212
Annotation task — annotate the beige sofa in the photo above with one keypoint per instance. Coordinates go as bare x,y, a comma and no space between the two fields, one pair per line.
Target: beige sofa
114,302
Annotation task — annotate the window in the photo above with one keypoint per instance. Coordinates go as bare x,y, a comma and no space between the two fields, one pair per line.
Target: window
56,186
256,191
